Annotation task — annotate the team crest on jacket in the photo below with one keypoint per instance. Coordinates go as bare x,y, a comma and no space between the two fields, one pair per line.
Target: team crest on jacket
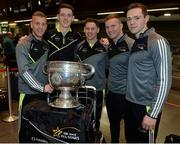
122,49
57,38
141,46
70,38
84,50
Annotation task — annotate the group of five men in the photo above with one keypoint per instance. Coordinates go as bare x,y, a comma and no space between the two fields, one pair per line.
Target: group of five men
139,71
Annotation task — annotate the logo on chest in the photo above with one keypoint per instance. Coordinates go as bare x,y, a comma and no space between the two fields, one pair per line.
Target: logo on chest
141,46
122,49
57,38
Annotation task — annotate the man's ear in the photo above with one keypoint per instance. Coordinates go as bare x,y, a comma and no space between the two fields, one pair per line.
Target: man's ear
57,16
73,19
121,25
147,18
98,30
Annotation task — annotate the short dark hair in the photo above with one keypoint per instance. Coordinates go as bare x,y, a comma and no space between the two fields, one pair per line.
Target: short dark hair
111,16
39,13
138,5
64,5
92,20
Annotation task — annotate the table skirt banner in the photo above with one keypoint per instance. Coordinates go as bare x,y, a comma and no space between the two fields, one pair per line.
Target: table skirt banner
42,123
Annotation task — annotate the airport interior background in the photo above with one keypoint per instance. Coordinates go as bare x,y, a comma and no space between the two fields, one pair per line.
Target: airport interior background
15,17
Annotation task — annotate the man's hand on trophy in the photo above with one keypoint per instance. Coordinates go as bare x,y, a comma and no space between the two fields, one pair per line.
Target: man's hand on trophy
48,88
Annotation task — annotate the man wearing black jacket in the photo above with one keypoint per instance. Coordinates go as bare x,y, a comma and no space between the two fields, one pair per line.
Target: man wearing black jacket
63,39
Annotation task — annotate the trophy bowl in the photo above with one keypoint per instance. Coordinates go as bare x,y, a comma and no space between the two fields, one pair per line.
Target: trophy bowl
67,76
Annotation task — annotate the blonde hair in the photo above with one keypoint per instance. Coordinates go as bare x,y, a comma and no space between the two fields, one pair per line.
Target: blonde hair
111,16
39,13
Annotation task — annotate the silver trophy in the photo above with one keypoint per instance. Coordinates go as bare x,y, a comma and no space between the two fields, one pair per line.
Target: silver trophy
67,76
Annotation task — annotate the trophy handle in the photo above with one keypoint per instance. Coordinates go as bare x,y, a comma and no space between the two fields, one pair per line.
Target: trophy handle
45,69
90,73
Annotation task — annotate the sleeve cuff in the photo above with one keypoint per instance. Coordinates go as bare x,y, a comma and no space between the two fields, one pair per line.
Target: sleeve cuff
151,116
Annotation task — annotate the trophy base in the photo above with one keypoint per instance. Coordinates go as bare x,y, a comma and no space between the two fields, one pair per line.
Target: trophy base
64,103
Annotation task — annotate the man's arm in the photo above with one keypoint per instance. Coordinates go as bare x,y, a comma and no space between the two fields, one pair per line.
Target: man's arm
163,65
24,69
161,55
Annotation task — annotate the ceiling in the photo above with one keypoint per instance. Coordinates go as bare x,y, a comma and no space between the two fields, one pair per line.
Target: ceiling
22,9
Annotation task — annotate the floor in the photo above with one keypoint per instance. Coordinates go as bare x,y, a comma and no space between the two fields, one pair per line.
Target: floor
169,122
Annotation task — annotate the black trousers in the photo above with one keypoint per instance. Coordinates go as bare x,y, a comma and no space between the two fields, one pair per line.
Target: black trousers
134,131
116,110
99,103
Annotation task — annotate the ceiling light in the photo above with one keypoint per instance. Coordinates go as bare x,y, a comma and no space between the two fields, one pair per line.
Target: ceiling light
4,22
39,2
149,10
167,14
54,18
10,8
19,21
163,9
106,13
23,8
4,10
12,24
49,18
16,10
29,4
58,2
76,20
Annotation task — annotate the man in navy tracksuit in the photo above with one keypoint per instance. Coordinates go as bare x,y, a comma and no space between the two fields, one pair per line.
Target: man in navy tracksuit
91,51
149,77
117,79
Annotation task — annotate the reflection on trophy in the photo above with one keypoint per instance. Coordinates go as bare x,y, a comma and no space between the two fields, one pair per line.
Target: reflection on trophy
67,76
